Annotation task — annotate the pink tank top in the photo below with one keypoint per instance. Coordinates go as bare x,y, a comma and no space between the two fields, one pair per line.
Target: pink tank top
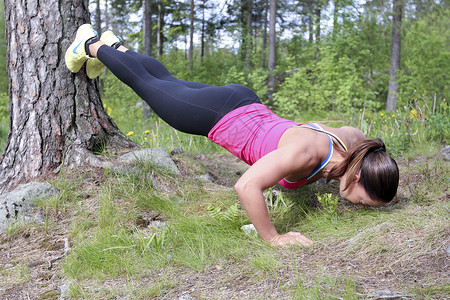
250,132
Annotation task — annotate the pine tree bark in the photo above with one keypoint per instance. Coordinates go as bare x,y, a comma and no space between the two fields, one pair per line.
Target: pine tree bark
160,34
249,33
272,50
191,37
264,44
202,50
56,116
318,12
147,24
335,18
391,103
98,17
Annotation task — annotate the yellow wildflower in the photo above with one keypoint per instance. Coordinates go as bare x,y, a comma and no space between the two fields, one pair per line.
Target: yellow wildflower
381,115
147,131
413,114
130,133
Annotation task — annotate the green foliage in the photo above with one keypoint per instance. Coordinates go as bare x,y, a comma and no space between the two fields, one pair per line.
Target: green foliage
426,59
229,214
329,202
3,73
4,106
4,119
411,126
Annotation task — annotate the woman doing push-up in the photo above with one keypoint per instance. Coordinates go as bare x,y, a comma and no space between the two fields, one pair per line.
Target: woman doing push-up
278,150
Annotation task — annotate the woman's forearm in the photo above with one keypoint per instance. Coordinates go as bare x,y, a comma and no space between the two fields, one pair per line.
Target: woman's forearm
252,200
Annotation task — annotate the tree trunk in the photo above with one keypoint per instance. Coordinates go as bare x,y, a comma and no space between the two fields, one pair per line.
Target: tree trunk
335,19
264,45
148,32
202,53
147,27
391,103
318,18
98,18
55,115
249,31
272,51
191,37
106,15
310,29
160,34
419,8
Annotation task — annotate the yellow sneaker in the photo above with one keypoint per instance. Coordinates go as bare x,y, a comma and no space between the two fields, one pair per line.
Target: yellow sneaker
76,53
94,66
109,38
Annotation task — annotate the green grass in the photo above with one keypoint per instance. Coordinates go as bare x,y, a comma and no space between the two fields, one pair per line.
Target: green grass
111,243
4,129
326,287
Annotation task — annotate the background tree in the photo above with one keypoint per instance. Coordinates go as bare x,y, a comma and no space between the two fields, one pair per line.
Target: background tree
264,32
397,9
272,50
55,115
98,17
147,27
191,35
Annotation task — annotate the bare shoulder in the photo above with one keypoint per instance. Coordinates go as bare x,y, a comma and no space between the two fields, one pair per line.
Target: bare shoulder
352,135
349,135
353,131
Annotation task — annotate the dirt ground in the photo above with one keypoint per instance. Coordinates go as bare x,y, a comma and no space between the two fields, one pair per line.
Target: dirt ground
31,261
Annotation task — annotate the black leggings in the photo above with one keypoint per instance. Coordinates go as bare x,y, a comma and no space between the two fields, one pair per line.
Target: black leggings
191,107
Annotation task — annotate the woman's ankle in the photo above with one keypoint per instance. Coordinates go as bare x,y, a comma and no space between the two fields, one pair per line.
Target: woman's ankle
93,48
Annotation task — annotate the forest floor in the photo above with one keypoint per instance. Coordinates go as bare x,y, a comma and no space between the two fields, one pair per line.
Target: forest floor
400,251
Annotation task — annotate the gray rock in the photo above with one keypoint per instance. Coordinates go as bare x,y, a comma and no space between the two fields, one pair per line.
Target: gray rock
445,152
176,151
368,231
448,250
158,224
15,205
157,156
65,291
39,217
386,294
205,177
271,196
187,297
146,111
249,229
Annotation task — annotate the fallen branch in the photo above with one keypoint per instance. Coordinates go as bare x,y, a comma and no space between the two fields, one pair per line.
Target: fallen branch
66,250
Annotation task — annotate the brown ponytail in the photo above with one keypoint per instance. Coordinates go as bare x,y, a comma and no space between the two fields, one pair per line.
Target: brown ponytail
379,172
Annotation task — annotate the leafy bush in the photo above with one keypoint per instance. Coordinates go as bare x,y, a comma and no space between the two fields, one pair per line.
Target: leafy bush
4,105
329,202
426,60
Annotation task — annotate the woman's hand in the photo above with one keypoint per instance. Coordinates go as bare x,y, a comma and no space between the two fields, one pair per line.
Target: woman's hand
289,239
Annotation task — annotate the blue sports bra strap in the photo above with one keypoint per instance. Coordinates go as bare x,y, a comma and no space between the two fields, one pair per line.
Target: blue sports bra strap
317,127
325,162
